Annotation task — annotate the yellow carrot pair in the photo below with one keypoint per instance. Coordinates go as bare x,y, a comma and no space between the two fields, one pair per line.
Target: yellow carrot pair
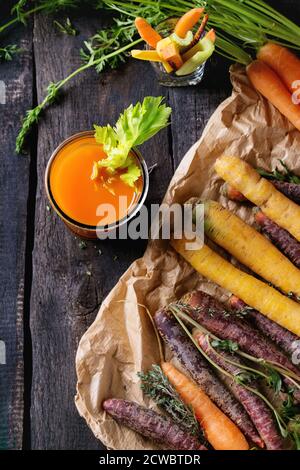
250,247
244,178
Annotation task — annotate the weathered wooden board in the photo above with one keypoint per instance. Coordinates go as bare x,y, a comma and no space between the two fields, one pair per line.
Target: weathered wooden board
70,283
16,85
193,106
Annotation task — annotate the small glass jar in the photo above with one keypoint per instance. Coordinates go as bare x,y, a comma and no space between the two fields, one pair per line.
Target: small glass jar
165,28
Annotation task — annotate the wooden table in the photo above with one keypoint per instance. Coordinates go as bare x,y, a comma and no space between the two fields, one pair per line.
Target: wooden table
51,288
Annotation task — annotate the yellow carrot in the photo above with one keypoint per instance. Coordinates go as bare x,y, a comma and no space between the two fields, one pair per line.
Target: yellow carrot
268,83
145,30
261,192
188,21
252,291
219,430
283,62
250,247
152,56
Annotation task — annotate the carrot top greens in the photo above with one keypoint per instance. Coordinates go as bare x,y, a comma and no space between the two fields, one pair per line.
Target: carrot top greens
66,27
8,52
225,345
280,174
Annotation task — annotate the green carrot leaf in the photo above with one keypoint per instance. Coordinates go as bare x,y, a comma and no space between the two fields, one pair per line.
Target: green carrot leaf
66,27
8,52
289,409
280,174
225,345
274,379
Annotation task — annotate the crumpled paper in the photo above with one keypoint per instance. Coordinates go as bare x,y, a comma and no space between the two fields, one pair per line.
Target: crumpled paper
121,341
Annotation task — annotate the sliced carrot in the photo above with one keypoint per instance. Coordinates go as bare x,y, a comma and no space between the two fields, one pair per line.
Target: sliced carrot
268,83
211,35
146,55
188,21
283,62
219,430
169,52
151,56
145,30
168,67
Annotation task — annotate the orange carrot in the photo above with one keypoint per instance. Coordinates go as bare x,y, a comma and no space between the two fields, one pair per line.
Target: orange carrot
267,82
219,430
283,62
145,30
169,52
211,35
188,21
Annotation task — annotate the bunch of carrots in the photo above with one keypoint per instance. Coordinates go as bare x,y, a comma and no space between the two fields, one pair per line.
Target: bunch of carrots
276,75
237,415
251,248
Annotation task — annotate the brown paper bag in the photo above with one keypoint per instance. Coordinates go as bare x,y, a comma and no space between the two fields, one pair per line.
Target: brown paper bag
121,341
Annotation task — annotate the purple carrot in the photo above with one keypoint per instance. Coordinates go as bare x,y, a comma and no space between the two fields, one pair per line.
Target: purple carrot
257,409
150,424
282,337
199,369
290,190
286,243
211,314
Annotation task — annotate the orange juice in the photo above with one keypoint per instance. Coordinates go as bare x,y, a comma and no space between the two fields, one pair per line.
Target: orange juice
77,196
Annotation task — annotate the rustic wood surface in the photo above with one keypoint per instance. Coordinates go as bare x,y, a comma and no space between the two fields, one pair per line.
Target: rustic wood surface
17,79
51,288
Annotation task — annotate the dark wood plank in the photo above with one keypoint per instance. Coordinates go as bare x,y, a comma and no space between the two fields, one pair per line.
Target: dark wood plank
16,81
69,283
193,106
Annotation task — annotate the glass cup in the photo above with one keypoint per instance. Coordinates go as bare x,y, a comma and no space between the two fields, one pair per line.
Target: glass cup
171,79
90,231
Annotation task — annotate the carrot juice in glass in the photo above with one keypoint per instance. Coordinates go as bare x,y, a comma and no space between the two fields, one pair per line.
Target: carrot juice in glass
78,199
97,181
